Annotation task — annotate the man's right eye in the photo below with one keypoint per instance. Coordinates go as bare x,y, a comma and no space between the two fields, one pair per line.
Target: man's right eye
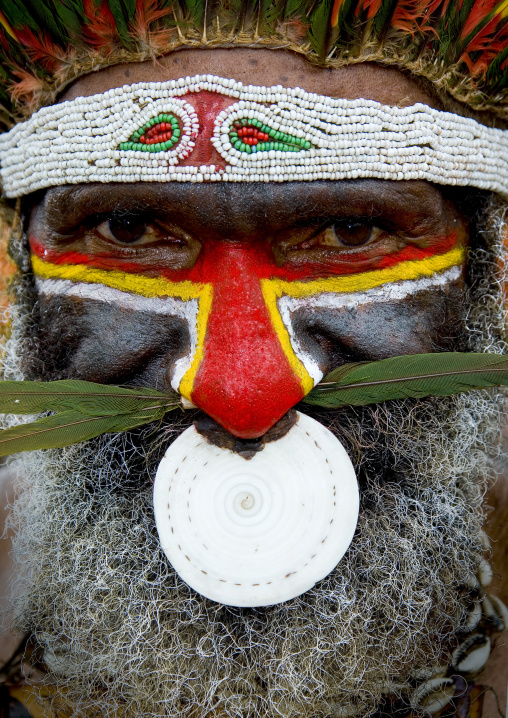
138,231
126,230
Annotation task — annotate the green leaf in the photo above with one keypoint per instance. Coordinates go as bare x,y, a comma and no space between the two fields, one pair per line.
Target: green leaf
70,427
32,397
402,377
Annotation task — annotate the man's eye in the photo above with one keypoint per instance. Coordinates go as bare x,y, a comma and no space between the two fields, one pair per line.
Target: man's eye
126,230
350,234
354,234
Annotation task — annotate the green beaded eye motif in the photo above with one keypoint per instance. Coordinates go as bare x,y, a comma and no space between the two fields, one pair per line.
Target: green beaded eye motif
251,135
159,134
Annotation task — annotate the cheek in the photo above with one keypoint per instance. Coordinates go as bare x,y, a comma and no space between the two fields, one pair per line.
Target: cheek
334,331
97,341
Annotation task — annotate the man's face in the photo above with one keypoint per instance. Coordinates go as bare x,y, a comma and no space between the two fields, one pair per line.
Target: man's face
246,294
385,264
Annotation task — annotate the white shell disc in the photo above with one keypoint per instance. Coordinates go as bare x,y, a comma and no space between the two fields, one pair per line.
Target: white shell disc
257,532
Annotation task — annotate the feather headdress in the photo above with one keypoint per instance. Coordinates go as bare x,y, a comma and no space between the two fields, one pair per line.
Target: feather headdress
461,46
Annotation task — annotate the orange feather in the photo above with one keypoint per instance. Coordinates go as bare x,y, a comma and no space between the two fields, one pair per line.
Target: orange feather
147,13
334,19
372,7
100,29
480,11
490,41
28,87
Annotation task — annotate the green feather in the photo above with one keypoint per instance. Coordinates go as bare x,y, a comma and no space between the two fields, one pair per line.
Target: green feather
18,14
402,377
294,8
268,13
33,397
41,14
194,11
68,428
496,77
70,13
320,28
383,17
123,12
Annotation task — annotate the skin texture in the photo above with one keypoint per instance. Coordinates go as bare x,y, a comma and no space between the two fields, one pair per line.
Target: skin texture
304,230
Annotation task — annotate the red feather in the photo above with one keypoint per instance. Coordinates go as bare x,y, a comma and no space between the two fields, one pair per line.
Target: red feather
479,13
41,48
441,5
100,29
489,42
412,16
334,19
372,7
4,42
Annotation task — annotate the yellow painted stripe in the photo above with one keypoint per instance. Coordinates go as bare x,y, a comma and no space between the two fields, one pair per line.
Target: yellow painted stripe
145,287
361,282
124,281
205,305
270,297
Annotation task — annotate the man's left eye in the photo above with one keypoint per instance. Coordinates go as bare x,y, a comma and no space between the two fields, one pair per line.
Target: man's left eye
339,235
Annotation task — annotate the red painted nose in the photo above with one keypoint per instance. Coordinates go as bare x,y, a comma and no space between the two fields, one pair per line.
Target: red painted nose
245,380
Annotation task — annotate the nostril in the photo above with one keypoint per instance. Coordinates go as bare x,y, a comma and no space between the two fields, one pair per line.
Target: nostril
217,435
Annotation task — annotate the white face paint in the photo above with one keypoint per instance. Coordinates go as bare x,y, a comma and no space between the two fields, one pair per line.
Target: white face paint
186,310
288,306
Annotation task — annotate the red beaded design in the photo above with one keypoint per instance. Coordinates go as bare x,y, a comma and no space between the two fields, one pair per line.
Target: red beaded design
157,135
250,135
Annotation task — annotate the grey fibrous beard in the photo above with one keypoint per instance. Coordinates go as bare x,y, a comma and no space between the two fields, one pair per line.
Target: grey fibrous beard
124,635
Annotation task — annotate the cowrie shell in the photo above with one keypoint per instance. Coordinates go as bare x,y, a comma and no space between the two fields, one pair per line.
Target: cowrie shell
472,654
257,532
433,695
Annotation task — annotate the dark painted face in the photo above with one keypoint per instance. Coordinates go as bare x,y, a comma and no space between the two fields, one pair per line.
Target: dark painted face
241,296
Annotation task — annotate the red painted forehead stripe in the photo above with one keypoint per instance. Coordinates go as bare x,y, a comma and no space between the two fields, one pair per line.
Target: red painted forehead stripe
207,106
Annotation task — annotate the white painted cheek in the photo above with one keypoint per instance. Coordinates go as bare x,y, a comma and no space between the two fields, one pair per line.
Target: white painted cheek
188,311
288,306
168,306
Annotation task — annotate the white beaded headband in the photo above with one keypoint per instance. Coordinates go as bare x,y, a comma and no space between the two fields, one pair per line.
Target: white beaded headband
149,132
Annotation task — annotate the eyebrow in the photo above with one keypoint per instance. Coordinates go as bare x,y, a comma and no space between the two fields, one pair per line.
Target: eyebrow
266,204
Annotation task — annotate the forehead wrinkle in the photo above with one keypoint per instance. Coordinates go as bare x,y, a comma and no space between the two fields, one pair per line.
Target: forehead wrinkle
260,204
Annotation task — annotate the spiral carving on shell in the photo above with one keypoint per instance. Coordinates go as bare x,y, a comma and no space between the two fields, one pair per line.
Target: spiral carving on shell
257,532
